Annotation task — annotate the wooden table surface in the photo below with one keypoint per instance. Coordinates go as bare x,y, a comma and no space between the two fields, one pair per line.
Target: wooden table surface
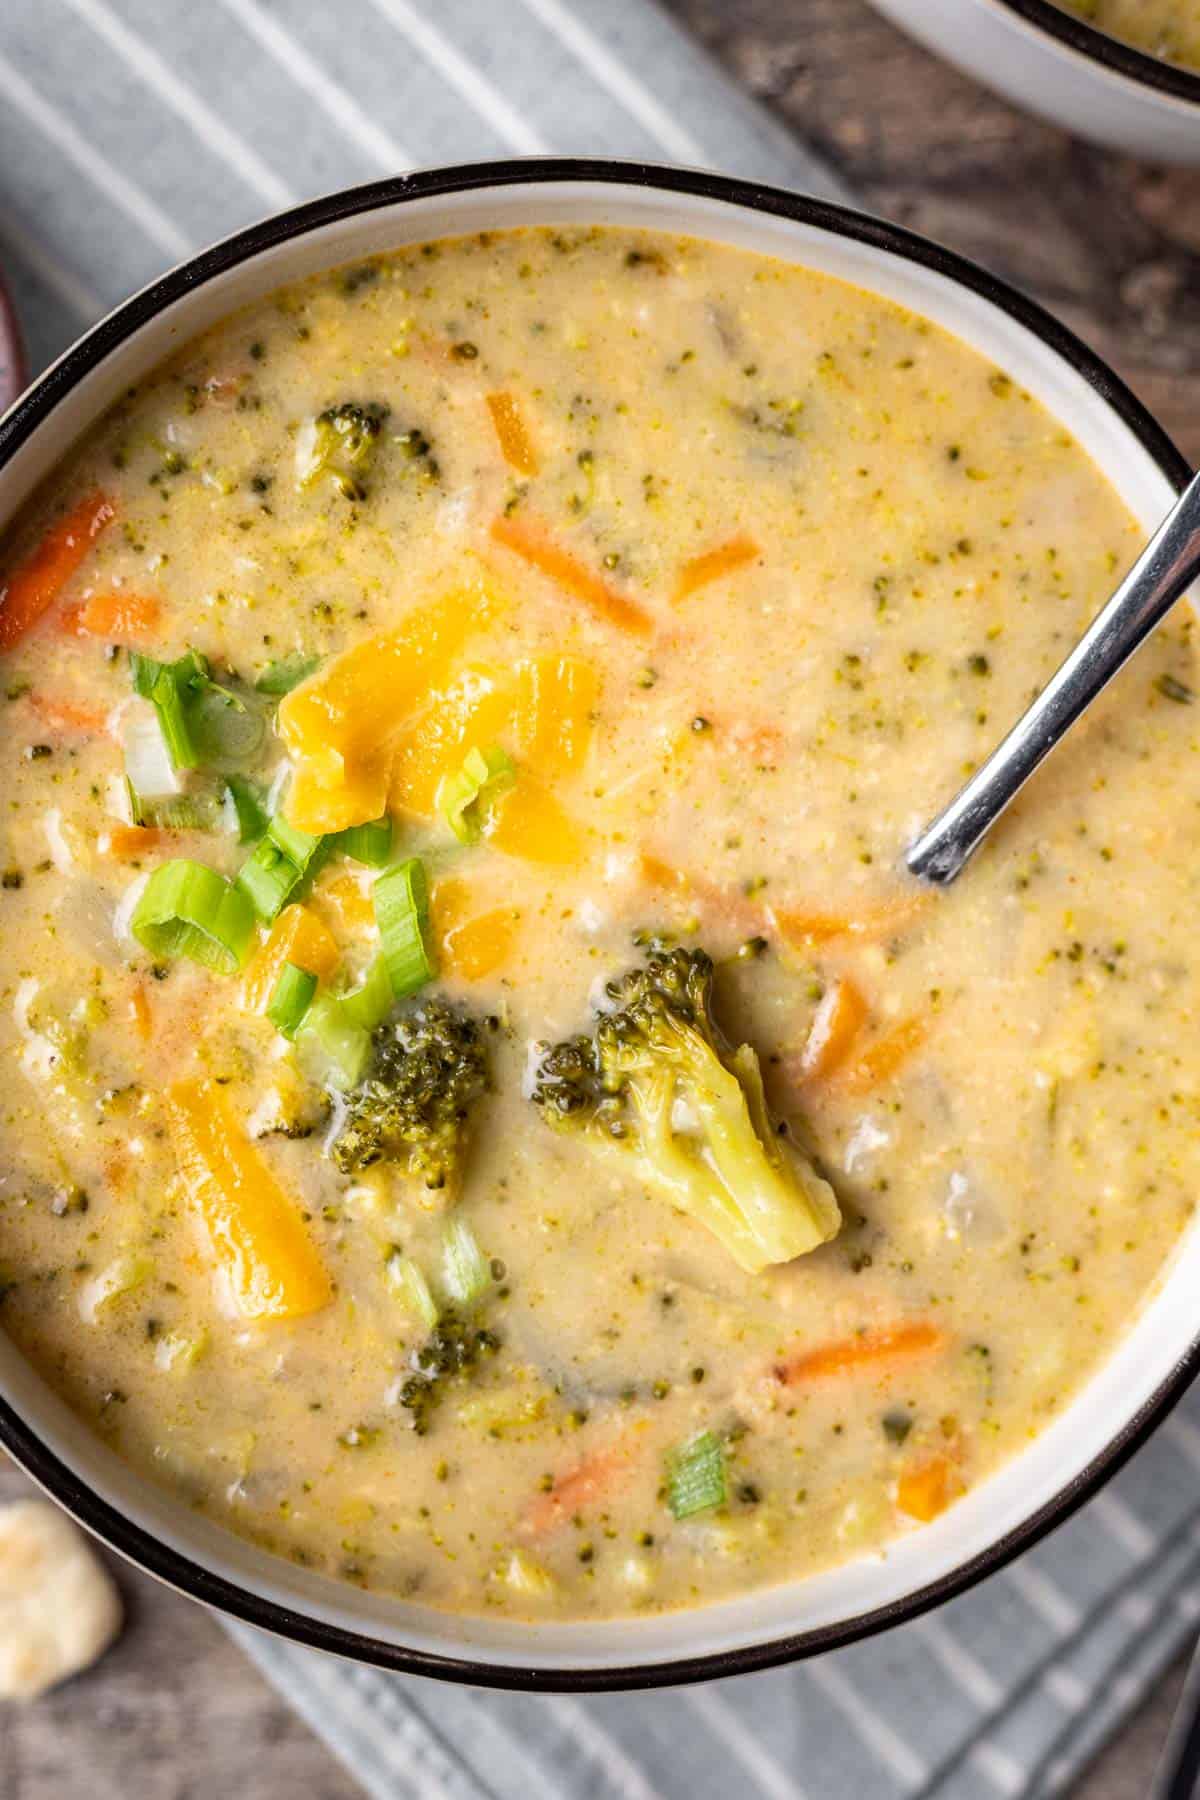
1113,247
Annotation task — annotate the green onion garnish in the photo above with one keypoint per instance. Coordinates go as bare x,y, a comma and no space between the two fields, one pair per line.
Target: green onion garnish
696,1475
370,843
171,812
281,860
187,909
279,678
170,687
247,800
406,1280
369,1004
201,721
291,998
465,798
332,1049
227,731
466,1272
402,914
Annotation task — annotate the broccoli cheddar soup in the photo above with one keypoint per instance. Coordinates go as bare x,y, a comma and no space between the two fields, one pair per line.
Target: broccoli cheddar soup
486,1115
1166,28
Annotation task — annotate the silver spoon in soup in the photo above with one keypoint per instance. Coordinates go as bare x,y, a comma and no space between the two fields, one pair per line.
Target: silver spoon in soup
1167,567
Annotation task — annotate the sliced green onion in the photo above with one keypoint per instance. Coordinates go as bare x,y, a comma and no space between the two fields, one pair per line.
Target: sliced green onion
280,861
226,730
247,800
148,766
464,798
279,678
332,1049
291,998
170,812
406,1280
170,687
370,843
187,909
369,1004
402,914
696,1475
466,1272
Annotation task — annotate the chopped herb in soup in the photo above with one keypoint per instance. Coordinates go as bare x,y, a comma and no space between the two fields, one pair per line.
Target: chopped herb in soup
1166,28
487,1115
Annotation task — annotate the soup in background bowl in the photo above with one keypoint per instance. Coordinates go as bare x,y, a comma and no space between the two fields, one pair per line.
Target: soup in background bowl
490,1124
1117,72
1166,28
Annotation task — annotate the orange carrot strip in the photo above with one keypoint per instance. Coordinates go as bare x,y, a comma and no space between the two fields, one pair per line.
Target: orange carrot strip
882,1058
530,541
836,1024
581,1486
711,565
874,920
925,1492
720,906
134,840
33,588
516,445
118,616
139,1006
69,715
893,1343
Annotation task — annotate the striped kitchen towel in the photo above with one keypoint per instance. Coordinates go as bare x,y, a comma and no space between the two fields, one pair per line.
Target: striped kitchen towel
131,133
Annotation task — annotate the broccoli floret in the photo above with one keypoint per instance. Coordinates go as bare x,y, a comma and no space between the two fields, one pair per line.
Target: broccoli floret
452,1349
428,1067
656,1081
341,443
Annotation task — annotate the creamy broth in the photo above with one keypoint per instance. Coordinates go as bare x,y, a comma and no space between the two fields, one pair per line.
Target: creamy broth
741,569
1166,28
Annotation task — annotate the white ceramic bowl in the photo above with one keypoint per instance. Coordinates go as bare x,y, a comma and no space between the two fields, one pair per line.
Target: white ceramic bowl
1054,63
1148,1370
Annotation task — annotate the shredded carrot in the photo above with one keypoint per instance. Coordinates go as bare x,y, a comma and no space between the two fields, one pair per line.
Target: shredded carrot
580,1486
893,1343
118,616
836,1024
36,584
516,445
69,715
530,540
873,920
883,1056
139,1007
721,906
711,565
925,1492
133,840
744,913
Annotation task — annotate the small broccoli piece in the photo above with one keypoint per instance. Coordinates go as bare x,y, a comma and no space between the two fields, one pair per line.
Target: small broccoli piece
452,1349
341,443
428,1067
657,1082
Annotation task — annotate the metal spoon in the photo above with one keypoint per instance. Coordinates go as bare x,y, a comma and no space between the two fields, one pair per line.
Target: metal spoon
1165,569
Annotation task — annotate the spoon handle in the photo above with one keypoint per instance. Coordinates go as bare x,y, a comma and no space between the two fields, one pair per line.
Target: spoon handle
1168,565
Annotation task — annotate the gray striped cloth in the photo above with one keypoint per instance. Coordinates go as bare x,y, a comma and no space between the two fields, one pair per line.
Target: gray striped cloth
131,133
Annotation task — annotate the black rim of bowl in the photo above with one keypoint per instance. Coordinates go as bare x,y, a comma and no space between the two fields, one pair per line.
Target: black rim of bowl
141,1546
1111,52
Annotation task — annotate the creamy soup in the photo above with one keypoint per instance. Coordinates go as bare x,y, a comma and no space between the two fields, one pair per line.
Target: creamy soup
487,1117
1166,28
